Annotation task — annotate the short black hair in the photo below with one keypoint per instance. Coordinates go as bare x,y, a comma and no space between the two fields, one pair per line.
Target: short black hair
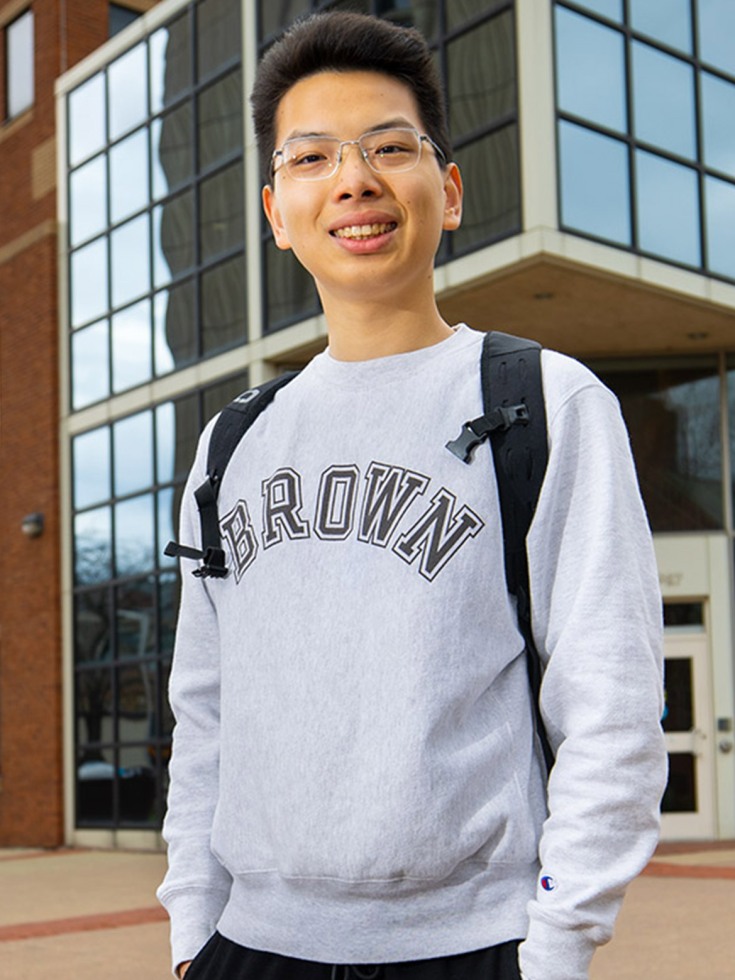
341,41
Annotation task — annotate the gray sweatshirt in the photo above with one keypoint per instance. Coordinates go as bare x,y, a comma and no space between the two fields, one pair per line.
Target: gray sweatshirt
354,777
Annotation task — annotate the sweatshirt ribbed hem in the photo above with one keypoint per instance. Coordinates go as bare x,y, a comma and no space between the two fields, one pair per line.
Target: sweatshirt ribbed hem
341,922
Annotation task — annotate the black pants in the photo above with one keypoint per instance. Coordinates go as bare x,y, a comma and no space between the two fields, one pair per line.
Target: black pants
222,959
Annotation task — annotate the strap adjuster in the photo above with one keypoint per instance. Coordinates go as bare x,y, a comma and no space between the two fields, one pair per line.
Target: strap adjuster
477,431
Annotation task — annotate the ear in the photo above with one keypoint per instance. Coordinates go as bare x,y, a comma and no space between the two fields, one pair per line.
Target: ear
273,214
453,193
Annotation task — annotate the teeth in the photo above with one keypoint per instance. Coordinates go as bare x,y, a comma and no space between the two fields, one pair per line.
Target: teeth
364,231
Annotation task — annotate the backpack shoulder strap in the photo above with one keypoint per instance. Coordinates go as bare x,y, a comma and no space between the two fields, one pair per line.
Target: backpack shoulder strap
511,377
232,424
514,420
510,371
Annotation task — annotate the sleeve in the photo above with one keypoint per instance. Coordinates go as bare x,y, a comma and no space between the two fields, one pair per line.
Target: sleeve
196,887
598,621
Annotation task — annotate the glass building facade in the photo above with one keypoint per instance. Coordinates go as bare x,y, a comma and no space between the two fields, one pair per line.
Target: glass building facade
157,282
178,297
645,97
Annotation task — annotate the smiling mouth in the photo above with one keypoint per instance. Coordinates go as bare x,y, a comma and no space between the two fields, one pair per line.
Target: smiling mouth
364,231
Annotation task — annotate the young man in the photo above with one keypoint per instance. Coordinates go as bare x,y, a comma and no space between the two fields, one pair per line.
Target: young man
355,785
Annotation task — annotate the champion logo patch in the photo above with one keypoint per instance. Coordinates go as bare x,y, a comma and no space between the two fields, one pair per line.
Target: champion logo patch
548,883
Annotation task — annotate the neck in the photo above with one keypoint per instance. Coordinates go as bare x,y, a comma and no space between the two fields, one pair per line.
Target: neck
360,331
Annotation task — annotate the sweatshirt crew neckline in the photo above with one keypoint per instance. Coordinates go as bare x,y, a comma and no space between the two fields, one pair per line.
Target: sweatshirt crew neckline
386,370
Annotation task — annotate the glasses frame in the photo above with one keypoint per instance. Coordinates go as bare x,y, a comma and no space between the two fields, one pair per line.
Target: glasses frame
341,144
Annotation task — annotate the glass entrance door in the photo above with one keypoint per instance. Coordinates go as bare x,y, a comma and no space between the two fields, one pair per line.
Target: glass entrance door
688,804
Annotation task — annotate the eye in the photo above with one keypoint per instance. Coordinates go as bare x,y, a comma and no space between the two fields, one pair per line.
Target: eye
393,148
305,158
309,155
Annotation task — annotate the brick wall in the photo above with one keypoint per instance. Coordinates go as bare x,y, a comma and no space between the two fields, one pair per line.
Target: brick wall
30,612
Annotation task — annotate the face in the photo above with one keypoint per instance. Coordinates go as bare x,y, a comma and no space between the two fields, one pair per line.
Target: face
400,216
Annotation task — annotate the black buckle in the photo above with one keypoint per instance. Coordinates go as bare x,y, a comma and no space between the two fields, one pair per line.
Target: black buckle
477,431
212,559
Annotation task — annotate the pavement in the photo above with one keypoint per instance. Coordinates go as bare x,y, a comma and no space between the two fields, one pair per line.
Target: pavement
92,915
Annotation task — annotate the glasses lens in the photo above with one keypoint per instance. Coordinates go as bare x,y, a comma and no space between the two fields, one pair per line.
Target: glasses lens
392,150
311,158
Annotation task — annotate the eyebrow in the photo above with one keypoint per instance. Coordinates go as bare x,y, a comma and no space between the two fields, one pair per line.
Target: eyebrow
399,122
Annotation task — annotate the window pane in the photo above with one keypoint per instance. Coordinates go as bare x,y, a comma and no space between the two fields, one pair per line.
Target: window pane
673,416
221,212
613,9
668,209
291,291
130,247
424,14
176,326
218,34
670,22
458,11
95,769
718,117
493,207
716,33
119,18
87,119
88,200
129,175
91,454
131,346
88,273
135,619
165,416
133,448
90,357
173,238
167,503
720,203
481,68
128,91
223,306
217,396
136,778
681,790
94,713
134,535
169,591
178,431
590,70
19,68
220,120
173,150
595,188
93,546
170,63
92,634
663,103
679,712
273,16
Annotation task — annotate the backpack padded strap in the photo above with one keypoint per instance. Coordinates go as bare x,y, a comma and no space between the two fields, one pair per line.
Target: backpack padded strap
234,421
510,370
232,424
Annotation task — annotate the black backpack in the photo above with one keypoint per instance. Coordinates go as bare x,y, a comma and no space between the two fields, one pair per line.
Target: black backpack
515,421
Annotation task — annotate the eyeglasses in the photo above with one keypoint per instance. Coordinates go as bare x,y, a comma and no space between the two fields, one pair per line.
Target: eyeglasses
386,151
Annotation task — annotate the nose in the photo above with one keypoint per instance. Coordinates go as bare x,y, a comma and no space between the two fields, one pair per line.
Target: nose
355,177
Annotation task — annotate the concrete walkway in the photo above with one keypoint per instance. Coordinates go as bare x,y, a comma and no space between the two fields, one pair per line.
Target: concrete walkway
92,915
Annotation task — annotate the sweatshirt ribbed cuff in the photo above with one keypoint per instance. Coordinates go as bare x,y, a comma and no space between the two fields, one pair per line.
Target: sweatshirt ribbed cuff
550,953
194,915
